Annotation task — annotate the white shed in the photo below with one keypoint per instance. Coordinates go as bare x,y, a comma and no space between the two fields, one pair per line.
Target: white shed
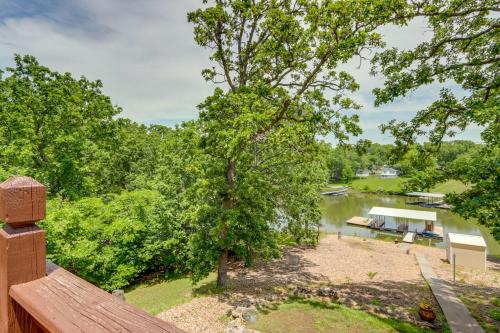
469,250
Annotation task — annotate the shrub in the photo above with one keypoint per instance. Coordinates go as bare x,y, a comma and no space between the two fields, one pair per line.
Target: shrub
111,241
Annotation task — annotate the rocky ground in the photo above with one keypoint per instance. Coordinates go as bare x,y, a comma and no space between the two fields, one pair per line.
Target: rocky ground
375,276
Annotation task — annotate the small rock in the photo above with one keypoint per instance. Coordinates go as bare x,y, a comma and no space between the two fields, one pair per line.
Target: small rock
323,291
236,313
249,315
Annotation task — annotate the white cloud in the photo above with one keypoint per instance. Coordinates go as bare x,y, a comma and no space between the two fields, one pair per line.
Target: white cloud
144,53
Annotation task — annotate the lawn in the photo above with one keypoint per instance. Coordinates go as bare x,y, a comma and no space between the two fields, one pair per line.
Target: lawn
486,310
304,316
158,296
450,186
374,184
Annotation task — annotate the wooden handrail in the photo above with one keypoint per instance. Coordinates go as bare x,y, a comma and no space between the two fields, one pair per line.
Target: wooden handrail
39,297
63,302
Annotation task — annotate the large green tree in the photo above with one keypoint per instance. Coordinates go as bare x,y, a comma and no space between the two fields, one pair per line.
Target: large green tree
53,127
275,60
463,50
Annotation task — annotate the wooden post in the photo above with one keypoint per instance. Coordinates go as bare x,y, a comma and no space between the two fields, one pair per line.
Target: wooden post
119,294
22,243
454,267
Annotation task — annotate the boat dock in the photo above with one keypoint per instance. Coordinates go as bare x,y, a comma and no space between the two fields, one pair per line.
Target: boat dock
377,221
337,190
366,222
429,200
360,221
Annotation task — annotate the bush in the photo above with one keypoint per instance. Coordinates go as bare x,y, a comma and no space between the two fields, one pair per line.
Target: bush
113,240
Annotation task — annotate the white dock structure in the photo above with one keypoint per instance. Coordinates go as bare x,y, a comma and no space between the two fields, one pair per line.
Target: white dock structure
378,214
426,195
336,190
410,214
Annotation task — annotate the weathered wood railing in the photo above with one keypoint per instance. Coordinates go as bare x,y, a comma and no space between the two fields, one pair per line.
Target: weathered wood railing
36,296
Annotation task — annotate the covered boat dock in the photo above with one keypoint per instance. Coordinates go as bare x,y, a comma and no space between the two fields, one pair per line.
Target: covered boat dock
427,199
402,216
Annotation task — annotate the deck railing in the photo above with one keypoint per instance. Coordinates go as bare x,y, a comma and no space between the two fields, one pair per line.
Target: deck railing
37,296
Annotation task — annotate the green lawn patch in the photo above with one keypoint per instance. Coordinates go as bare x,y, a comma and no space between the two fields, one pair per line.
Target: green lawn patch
374,184
485,309
305,316
450,186
158,296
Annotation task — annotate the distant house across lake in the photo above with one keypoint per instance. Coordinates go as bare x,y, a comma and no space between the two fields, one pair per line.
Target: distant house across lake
387,172
362,173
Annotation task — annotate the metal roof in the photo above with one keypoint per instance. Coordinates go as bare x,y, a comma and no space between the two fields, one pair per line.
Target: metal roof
466,239
404,213
425,194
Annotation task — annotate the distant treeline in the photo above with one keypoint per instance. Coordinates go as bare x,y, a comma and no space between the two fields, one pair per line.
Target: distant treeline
345,163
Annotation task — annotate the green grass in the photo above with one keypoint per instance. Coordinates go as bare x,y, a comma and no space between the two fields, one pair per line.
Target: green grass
158,296
304,316
374,184
485,309
450,186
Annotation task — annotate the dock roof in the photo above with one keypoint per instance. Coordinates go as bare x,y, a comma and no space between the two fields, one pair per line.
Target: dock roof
404,213
425,194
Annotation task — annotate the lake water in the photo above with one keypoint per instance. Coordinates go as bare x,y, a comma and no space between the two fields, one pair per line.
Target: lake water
337,210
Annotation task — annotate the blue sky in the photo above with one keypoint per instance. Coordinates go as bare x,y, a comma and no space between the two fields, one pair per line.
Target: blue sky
144,53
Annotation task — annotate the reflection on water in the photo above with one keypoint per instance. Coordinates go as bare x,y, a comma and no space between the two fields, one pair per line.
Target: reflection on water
337,210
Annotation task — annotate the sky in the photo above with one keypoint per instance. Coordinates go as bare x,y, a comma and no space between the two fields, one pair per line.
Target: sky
145,55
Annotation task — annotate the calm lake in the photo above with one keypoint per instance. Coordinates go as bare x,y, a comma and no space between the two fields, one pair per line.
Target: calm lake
337,210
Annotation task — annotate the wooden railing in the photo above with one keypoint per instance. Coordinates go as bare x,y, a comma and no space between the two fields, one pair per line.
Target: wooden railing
36,296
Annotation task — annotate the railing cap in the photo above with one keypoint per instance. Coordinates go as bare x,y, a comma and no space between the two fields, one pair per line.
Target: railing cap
22,201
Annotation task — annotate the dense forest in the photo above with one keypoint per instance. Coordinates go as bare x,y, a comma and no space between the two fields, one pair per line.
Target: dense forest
243,179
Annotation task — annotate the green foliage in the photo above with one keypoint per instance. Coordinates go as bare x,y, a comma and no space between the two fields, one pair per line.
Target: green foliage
113,240
482,170
449,151
463,49
344,162
52,127
276,59
423,181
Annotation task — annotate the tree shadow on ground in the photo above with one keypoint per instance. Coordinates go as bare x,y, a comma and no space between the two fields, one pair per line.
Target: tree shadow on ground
386,298
291,269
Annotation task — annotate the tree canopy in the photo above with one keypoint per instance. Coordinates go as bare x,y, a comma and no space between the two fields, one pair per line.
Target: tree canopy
275,60
53,126
462,50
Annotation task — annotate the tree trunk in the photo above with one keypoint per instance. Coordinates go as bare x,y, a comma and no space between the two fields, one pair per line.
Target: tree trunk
222,271
227,204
